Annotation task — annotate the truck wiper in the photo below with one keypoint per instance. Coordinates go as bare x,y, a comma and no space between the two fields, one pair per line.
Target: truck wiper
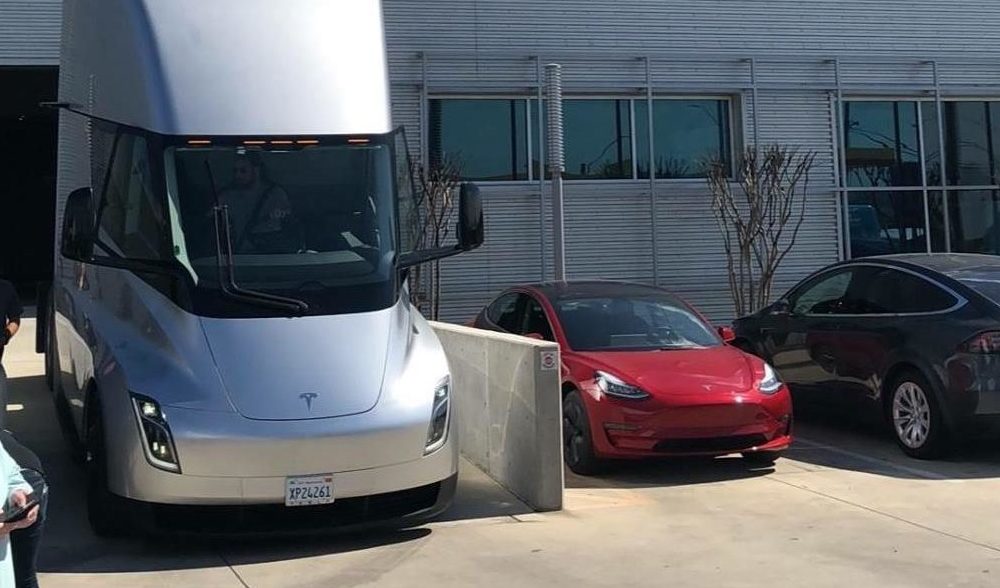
227,267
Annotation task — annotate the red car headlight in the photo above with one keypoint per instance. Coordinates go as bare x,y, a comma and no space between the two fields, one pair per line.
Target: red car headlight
613,386
770,383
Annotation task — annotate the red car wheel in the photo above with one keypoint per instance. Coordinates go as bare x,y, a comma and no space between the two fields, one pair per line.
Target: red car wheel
578,444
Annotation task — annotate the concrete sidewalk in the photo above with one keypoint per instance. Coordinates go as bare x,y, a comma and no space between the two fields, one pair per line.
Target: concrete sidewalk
845,510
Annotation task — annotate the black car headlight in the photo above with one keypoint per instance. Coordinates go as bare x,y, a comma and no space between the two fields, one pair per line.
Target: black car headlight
157,442
437,434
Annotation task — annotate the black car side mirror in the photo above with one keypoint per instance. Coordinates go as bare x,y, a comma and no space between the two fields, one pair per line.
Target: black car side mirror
78,227
470,218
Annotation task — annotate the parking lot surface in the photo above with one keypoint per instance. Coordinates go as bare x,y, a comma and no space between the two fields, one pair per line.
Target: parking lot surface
845,508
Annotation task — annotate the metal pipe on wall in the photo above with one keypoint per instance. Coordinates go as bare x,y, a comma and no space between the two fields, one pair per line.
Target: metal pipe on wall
557,165
540,118
652,167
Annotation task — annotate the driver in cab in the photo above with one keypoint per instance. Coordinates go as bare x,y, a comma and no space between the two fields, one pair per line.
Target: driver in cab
259,210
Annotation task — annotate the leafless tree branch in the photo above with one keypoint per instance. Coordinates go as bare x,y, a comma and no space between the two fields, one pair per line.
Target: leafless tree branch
759,215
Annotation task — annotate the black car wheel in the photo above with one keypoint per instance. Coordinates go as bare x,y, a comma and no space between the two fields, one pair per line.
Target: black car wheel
105,511
916,419
578,444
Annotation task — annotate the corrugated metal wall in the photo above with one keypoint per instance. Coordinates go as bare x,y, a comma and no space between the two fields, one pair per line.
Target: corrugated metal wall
486,46
469,47
29,32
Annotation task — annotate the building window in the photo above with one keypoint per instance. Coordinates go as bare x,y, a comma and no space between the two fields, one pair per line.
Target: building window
494,139
882,142
687,135
486,139
971,131
974,217
906,192
598,139
886,222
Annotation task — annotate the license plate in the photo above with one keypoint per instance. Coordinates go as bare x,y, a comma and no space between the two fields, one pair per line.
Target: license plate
308,490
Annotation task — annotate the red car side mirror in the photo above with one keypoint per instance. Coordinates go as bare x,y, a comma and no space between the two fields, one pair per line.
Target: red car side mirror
727,334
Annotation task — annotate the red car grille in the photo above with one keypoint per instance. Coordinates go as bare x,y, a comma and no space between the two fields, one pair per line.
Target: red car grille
731,443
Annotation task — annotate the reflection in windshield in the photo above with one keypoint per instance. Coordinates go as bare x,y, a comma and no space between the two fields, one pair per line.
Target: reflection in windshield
314,224
632,324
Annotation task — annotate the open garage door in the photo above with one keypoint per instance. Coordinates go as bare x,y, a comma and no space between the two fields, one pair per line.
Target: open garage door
27,176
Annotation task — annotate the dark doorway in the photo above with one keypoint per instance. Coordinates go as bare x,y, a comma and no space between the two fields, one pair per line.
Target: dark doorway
27,175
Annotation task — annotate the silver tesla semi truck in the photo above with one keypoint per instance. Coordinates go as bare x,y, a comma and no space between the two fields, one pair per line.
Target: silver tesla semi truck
229,333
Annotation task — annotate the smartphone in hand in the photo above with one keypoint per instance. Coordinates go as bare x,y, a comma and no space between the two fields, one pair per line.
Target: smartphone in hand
18,513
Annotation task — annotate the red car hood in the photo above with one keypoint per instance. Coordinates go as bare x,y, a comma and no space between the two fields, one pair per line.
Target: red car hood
715,370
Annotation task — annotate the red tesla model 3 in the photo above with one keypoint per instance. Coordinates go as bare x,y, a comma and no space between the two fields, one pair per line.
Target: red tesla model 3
645,375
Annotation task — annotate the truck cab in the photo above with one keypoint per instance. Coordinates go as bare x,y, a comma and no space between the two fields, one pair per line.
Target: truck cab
230,326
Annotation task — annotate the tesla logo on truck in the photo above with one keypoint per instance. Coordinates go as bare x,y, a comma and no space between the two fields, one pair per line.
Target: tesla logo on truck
309,397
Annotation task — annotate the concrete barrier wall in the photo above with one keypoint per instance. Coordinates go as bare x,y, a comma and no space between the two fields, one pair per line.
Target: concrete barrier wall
509,410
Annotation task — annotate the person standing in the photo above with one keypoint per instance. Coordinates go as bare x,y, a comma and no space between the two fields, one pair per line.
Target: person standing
11,309
15,494
26,539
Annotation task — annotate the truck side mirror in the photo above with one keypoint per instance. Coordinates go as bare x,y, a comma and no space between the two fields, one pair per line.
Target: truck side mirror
79,222
470,218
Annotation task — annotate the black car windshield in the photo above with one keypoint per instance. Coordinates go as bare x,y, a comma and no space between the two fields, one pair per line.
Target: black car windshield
639,323
311,222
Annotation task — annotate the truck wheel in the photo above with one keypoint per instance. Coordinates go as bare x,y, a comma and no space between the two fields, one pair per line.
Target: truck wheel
105,511
578,443
915,417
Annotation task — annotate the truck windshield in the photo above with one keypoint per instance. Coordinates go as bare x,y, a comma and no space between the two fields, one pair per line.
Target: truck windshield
309,220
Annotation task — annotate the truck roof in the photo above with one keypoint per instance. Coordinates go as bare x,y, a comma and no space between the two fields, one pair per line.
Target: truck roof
228,67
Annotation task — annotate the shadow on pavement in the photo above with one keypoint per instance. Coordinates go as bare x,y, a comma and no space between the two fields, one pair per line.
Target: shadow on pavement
661,473
69,546
835,438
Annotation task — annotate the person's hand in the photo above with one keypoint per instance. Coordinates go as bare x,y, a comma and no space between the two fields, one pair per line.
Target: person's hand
19,498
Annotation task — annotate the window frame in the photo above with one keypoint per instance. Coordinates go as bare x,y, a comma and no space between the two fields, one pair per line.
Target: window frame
519,298
796,292
943,189
530,298
535,120
153,143
927,283
731,120
813,281
529,134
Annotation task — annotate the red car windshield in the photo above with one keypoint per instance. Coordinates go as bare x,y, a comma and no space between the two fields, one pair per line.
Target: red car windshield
632,324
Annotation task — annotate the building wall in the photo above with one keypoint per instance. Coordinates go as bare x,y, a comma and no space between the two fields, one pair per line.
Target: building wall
469,47
29,32
477,47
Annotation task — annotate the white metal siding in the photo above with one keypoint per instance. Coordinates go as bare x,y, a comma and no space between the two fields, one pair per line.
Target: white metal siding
695,46
29,32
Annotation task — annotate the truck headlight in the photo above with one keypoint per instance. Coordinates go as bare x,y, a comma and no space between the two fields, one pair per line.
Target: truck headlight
157,442
770,383
437,434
